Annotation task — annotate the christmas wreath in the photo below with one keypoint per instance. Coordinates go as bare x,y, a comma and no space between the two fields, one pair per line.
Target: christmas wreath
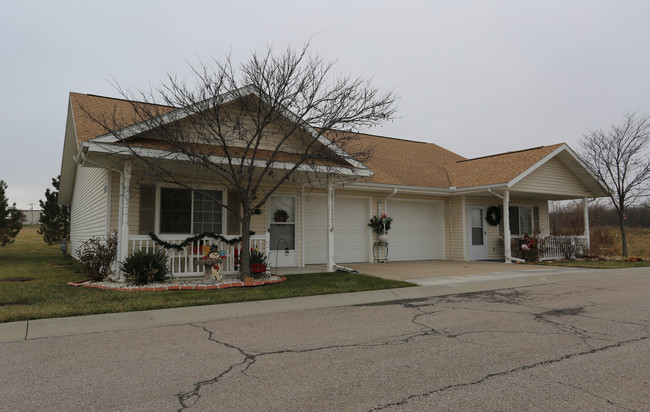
493,215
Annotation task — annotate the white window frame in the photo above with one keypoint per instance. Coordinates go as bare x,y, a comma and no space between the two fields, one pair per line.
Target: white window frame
532,219
224,200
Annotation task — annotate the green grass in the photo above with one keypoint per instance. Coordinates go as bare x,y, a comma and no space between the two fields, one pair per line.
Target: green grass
596,264
47,294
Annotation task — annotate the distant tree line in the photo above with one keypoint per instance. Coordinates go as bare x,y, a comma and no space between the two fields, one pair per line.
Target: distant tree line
566,218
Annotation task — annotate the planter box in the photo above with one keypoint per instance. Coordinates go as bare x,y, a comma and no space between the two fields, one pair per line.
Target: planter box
258,268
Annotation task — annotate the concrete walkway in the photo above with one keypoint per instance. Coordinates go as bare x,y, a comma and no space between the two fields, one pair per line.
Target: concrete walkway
42,328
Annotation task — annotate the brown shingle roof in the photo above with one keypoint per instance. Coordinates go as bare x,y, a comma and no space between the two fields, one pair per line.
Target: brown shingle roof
102,108
404,162
500,168
393,161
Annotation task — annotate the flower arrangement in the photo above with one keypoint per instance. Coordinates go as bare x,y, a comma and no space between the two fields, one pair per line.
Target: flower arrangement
280,215
380,225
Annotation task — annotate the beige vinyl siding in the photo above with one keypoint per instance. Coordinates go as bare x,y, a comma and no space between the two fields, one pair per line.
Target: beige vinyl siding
454,228
552,177
114,201
89,209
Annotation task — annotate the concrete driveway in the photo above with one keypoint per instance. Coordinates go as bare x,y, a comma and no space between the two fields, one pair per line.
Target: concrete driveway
420,272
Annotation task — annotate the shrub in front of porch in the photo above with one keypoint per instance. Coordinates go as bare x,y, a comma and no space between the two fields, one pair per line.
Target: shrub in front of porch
97,255
143,267
529,248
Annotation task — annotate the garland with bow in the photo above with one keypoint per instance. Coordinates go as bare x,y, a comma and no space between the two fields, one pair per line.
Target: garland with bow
193,239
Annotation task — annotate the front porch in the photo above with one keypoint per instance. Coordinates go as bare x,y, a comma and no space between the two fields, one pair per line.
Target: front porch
187,262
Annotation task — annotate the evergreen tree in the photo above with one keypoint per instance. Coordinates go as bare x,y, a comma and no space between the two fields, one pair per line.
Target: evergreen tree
10,218
55,218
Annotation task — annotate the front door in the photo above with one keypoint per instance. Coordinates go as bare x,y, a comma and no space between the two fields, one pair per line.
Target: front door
477,233
281,214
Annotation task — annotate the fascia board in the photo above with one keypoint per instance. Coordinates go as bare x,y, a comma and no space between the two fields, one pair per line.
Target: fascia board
579,161
165,154
424,189
68,166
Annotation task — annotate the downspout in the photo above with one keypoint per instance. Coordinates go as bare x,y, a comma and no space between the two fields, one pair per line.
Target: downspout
393,193
120,239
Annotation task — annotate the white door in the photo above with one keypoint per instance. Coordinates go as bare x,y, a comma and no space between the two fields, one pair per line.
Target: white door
417,230
281,215
351,233
477,233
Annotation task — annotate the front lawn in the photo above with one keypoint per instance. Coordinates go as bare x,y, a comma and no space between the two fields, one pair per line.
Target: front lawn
46,294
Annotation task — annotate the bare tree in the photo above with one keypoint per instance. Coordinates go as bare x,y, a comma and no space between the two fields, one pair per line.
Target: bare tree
618,157
273,118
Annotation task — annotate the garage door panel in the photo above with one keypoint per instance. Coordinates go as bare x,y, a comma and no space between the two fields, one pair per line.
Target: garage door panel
351,234
416,231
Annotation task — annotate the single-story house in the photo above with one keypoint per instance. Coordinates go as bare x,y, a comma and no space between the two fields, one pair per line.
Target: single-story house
444,206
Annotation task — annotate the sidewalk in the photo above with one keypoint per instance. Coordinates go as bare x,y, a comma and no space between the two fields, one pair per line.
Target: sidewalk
44,328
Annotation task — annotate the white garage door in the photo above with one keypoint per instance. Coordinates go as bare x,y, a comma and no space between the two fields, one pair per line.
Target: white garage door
417,230
351,233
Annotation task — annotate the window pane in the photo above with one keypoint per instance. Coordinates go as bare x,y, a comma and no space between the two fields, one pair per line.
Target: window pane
286,204
525,220
477,236
514,220
282,236
175,210
207,212
477,217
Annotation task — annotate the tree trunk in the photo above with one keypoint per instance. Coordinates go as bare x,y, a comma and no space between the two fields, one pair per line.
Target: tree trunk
621,222
245,254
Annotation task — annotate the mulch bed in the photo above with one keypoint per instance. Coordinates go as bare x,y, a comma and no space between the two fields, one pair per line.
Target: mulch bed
177,284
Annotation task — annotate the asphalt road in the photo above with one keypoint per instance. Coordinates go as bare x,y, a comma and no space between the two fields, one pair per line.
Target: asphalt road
579,345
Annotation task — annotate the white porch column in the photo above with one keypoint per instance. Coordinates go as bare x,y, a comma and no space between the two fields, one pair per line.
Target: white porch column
330,226
506,226
123,239
585,212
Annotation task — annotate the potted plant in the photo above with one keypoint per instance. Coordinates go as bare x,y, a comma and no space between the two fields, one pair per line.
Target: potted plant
381,225
259,262
280,215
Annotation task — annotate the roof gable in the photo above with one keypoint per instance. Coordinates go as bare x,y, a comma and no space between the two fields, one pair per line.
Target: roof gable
496,169
90,110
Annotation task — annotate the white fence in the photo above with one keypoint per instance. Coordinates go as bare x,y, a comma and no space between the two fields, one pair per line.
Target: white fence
552,246
186,262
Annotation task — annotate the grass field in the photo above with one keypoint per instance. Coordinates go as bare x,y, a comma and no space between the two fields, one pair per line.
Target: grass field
46,293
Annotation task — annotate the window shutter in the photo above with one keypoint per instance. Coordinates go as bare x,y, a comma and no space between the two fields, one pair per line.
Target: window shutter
232,223
147,210
535,219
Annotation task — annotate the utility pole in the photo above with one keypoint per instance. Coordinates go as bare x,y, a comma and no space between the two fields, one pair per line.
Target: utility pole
31,207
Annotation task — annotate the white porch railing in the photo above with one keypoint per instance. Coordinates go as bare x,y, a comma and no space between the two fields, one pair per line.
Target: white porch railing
186,262
552,249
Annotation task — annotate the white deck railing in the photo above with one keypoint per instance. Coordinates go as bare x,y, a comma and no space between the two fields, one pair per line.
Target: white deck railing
552,246
186,262
552,250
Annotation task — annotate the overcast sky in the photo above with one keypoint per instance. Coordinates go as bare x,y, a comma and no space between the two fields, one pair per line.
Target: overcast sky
476,77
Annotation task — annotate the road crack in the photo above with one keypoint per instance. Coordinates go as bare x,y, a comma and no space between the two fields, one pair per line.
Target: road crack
506,372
